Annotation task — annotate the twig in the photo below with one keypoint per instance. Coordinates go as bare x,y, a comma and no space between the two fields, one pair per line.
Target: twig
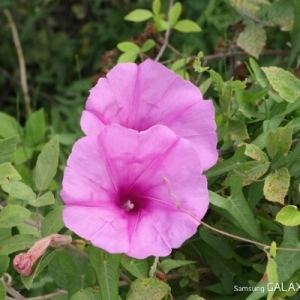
175,50
241,53
124,277
20,54
167,35
176,274
32,89
10,290
33,224
49,296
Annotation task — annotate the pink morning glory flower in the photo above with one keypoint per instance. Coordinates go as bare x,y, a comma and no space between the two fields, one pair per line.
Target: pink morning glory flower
119,188
141,96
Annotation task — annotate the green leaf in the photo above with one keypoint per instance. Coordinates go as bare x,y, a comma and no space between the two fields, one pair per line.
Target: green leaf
107,270
252,39
87,294
288,262
8,172
284,83
148,45
23,154
17,243
195,297
161,25
251,171
248,7
35,128
255,153
180,63
272,276
128,47
295,34
205,85
170,264
5,234
281,14
183,73
289,287
39,266
279,141
228,164
9,126
276,185
238,207
197,65
288,216
2,290
8,149
13,215
237,130
225,269
147,288
46,199
174,13
137,267
46,165
4,263
18,189
53,222
71,272
127,57
156,5
259,75
217,242
139,15
187,26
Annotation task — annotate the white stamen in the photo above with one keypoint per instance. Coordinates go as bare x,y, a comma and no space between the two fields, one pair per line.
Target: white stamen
128,206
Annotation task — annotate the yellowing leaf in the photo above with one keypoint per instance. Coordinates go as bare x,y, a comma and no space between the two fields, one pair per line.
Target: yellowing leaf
252,39
284,83
276,185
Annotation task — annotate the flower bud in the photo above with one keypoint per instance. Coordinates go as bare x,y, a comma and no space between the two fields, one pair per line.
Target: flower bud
24,262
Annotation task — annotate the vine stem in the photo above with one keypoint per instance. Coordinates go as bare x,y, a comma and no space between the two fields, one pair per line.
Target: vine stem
10,290
167,36
20,54
265,247
153,267
49,296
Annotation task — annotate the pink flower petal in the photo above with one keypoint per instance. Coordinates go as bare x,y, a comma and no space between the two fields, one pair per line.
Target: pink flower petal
121,189
139,97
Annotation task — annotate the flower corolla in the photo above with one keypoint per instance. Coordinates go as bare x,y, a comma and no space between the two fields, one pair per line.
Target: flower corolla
128,191
141,96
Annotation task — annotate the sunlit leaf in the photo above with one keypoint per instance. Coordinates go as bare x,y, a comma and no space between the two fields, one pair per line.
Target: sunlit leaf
187,26
106,267
46,165
276,185
283,82
139,15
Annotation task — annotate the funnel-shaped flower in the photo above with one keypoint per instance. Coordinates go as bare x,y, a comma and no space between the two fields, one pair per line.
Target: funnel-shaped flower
139,97
118,187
